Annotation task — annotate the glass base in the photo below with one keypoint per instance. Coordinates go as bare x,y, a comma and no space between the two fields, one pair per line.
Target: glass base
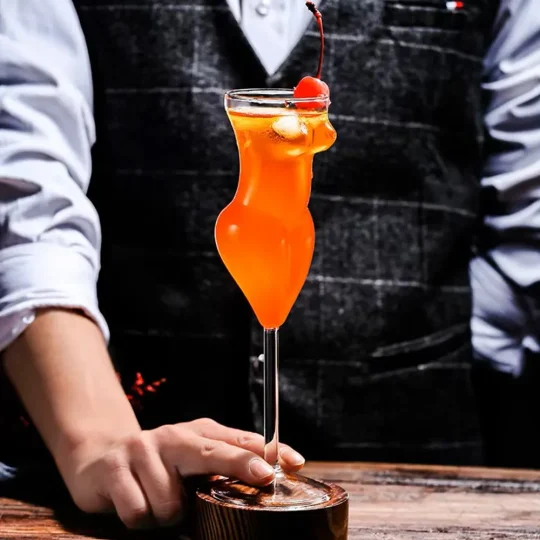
290,491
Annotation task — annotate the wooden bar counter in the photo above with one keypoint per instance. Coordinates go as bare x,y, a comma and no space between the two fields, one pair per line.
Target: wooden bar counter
387,502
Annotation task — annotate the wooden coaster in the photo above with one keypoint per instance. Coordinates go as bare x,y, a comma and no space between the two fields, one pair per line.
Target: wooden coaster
218,520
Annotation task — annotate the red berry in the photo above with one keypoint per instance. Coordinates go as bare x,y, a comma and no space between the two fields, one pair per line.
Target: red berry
313,87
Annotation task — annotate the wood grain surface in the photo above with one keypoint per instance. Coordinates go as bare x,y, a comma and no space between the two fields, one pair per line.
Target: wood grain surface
387,502
255,520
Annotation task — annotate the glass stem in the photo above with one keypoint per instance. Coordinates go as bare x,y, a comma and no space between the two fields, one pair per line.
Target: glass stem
271,398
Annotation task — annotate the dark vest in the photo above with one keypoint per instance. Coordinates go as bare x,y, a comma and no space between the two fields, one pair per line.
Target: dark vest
376,354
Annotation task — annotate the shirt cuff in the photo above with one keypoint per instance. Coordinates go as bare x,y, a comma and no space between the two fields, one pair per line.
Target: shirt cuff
499,321
41,275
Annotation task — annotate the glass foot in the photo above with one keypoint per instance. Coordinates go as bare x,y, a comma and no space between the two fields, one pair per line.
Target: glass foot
290,491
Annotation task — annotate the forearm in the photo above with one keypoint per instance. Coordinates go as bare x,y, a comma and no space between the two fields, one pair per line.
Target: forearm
61,369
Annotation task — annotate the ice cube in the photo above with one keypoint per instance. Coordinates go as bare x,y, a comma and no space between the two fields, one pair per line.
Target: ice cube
290,127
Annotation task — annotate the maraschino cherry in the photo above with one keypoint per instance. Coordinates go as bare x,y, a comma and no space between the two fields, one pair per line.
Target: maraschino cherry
313,87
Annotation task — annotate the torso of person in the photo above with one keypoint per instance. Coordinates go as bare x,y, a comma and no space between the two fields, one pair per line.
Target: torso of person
376,354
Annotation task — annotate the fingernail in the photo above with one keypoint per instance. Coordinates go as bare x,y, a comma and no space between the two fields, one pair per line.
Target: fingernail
260,469
293,457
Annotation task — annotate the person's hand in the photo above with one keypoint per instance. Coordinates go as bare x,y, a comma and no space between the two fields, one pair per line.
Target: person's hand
140,477
61,368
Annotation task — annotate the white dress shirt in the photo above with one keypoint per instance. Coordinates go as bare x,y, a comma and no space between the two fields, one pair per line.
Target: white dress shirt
50,236
272,27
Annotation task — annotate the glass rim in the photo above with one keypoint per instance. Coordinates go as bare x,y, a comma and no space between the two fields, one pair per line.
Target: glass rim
274,96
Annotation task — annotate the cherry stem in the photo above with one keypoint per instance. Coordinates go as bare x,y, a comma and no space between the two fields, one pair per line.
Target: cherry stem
311,6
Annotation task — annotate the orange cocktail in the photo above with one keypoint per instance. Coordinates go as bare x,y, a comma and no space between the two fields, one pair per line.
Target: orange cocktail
265,236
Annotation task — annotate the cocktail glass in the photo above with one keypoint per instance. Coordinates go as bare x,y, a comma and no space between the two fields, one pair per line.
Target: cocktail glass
266,238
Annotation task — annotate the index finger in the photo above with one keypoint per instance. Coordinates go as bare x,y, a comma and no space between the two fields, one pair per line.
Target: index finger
290,459
193,455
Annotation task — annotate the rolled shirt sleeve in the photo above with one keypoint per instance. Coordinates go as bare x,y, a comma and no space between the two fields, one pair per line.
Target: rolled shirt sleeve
506,273
50,236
